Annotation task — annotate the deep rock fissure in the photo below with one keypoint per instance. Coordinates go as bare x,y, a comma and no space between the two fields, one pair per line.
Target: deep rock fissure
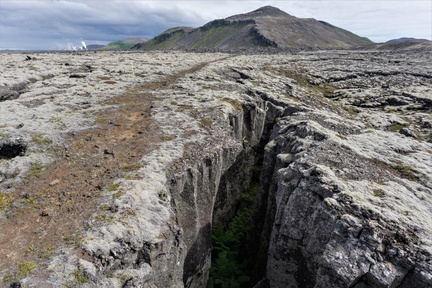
232,260
296,211
219,181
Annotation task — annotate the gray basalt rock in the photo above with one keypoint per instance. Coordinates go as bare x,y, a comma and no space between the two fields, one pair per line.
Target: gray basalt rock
323,237
12,92
408,132
344,198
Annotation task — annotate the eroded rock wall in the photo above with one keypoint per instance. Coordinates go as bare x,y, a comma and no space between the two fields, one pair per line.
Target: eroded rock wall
320,235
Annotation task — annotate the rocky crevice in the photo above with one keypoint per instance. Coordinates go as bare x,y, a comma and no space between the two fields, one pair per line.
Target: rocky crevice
302,221
314,235
343,200
208,193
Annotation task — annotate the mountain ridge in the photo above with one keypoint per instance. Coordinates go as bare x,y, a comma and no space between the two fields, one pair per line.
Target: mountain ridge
266,27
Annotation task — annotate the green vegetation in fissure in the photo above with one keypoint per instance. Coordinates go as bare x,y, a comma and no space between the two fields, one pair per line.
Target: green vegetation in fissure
229,263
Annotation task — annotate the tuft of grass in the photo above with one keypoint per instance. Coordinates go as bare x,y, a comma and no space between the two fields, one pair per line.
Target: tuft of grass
40,139
57,151
49,251
398,168
132,167
381,182
118,194
235,103
206,122
36,169
78,145
113,187
55,119
8,277
396,127
123,278
31,249
31,199
74,240
101,120
406,171
379,193
183,108
352,110
104,217
5,200
80,278
127,212
26,268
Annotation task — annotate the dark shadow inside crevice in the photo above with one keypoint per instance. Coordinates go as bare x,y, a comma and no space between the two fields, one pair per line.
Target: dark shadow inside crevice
12,148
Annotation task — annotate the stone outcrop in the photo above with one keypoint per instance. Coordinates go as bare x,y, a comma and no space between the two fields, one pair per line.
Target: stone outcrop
345,188
11,93
322,234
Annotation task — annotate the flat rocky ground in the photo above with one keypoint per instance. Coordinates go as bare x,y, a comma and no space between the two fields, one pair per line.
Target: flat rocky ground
87,140
80,139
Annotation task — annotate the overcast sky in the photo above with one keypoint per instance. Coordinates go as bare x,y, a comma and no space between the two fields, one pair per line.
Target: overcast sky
54,24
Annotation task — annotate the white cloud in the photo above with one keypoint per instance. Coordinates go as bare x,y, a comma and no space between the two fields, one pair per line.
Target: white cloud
42,24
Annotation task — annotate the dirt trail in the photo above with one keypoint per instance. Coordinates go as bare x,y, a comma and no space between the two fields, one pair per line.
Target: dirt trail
59,199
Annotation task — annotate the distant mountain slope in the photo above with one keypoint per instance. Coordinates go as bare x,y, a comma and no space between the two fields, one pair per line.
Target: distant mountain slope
265,27
94,46
405,44
124,44
405,40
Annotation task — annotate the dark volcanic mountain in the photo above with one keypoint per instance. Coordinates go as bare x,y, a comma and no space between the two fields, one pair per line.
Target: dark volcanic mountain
406,44
405,39
265,27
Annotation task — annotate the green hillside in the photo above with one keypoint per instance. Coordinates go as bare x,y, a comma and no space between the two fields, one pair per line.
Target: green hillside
124,44
265,27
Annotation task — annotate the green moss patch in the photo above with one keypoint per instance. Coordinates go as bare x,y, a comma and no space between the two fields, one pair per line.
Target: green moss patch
229,266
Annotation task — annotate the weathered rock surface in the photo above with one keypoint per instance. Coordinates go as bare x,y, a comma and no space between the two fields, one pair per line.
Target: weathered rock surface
345,195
